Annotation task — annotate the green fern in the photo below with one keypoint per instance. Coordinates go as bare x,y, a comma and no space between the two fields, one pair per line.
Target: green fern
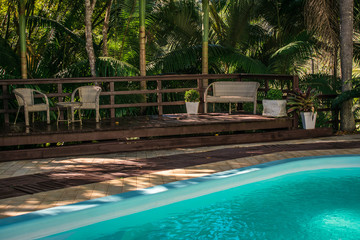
9,60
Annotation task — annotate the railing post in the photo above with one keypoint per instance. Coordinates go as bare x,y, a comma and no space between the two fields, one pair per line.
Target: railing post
335,121
59,87
266,86
6,104
296,115
112,100
159,97
295,82
60,98
143,86
239,106
201,90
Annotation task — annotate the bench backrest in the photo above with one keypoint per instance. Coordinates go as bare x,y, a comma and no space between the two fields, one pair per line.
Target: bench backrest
242,89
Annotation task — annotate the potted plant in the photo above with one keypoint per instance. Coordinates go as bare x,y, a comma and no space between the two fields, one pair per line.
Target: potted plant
304,103
273,104
192,99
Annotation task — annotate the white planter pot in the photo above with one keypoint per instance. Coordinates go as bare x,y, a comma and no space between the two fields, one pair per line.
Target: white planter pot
308,119
274,108
192,107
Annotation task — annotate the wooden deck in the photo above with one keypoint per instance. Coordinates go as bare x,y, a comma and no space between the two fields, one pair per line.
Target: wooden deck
141,126
146,133
160,131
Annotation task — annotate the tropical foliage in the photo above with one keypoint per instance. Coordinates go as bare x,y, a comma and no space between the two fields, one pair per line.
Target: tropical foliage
299,37
245,36
302,101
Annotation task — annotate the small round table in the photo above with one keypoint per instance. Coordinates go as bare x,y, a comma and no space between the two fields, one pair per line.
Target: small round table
70,108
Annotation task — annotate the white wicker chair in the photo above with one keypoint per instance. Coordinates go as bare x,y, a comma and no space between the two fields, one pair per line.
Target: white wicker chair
89,98
25,98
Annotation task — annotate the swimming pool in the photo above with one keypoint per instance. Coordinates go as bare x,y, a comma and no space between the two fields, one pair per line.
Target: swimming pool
257,202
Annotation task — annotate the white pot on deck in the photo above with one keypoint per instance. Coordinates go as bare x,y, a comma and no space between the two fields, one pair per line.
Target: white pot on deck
308,119
274,108
192,107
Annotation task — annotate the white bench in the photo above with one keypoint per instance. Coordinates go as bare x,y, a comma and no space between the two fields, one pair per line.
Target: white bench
231,92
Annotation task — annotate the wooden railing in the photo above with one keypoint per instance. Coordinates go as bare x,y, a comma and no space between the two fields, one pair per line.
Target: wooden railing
286,82
325,106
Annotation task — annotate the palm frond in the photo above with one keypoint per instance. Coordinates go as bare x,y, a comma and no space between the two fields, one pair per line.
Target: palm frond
105,67
356,50
325,84
176,24
177,61
111,67
44,22
322,18
190,58
291,56
232,58
294,50
238,22
9,60
78,69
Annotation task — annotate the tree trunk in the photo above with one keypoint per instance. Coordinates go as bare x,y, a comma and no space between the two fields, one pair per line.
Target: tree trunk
205,51
205,40
8,17
335,62
89,8
346,57
22,39
106,28
142,41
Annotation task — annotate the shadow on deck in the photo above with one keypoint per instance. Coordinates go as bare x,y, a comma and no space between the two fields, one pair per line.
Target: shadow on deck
147,133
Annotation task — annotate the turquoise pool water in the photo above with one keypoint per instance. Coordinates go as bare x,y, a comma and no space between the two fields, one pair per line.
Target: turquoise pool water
319,204
306,198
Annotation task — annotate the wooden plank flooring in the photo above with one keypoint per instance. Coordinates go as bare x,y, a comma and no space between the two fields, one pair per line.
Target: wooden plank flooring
141,126
161,143
74,175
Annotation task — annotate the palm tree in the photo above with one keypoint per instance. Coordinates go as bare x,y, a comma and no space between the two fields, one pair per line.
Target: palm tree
142,39
22,38
346,55
89,9
326,24
106,28
205,41
322,19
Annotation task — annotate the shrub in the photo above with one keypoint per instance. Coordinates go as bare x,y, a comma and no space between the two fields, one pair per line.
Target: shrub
274,94
192,96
